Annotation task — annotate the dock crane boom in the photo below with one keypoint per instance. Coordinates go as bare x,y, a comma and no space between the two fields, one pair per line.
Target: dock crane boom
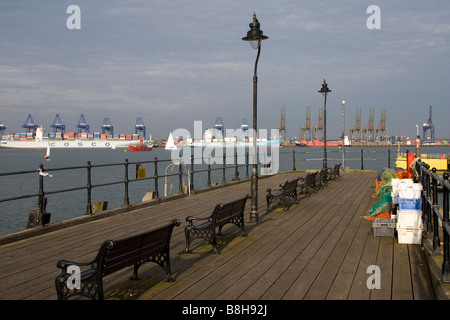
139,128
58,125
82,125
29,124
107,127
428,126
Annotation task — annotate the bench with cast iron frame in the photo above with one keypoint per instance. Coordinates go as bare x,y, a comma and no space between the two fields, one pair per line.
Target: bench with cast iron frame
307,185
114,255
286,190
231,212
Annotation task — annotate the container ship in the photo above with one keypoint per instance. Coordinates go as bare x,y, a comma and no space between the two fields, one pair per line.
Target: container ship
66,140
233,142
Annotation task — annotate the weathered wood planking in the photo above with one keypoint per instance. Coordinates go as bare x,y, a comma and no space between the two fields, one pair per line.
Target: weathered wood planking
319,249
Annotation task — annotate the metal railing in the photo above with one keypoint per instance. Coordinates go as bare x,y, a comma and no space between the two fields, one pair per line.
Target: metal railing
436,223
192,172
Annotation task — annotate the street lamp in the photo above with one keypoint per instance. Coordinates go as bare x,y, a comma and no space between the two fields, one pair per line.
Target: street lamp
343,133
324,90
255,36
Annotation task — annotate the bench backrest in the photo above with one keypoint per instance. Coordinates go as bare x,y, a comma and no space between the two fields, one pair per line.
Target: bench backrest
223,213
118,254
290,186
311,178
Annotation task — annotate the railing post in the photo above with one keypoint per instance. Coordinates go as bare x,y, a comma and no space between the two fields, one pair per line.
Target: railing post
236,171
126,201
293,160
389,158
41,194
156,178
426,202
209,171
224,180
246,164
180,177
446,249
436,239
192,173
362,159
89,189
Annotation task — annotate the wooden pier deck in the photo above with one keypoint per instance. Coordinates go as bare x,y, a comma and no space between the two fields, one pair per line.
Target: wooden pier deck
320,249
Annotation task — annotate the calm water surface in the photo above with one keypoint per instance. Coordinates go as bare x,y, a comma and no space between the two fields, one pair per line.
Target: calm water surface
14,214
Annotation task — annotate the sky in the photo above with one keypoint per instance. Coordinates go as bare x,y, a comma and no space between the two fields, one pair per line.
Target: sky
173,62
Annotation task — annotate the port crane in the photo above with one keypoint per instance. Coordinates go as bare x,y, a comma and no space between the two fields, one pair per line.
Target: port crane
428,127
2,129
82,125
244,128
139,128
57,125
218,126
107,127
29,124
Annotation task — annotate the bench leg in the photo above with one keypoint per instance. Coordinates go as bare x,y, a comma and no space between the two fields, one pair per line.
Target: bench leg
91,290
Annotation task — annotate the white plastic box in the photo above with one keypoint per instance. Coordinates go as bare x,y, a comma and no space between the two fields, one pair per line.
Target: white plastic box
409,235
410,190
411,219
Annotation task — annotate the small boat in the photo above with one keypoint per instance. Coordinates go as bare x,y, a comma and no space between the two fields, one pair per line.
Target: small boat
170,145
47,155
140,147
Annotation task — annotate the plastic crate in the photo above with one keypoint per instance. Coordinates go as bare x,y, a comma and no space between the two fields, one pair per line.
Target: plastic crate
409,219
409,235
383,227
410,203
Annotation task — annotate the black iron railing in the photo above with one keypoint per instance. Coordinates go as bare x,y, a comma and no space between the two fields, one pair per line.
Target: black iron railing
436,217
198,176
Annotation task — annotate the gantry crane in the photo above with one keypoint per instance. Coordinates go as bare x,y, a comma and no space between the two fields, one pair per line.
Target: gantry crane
219,131
29,124
82,125
57,125
139,128
107,127
307,126
428,126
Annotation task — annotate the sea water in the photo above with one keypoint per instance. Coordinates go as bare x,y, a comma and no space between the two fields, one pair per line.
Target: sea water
14,214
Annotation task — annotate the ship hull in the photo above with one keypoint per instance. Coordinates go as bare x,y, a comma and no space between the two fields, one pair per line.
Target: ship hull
233,144
68,144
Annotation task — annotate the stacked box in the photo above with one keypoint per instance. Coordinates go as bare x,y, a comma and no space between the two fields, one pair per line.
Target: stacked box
409,235
383,227
410,204
408,197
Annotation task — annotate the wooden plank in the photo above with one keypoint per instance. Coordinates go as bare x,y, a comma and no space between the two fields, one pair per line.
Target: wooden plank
421,282
401,276
318,249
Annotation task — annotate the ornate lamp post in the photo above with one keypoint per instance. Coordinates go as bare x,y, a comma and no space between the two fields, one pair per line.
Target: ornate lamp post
255,36
324,90
343,133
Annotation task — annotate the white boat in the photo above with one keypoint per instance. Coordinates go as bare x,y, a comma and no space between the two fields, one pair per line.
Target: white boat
47,155
170,145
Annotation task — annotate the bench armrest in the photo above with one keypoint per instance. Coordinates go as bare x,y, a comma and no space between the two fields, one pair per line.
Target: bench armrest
191,219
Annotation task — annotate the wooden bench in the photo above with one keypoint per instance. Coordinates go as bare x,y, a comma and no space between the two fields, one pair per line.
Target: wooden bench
307,185
287,190
322,178
114,255
231,212
334,173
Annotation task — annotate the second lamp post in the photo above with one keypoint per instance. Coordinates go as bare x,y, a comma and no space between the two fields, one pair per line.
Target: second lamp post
255,36
324,90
